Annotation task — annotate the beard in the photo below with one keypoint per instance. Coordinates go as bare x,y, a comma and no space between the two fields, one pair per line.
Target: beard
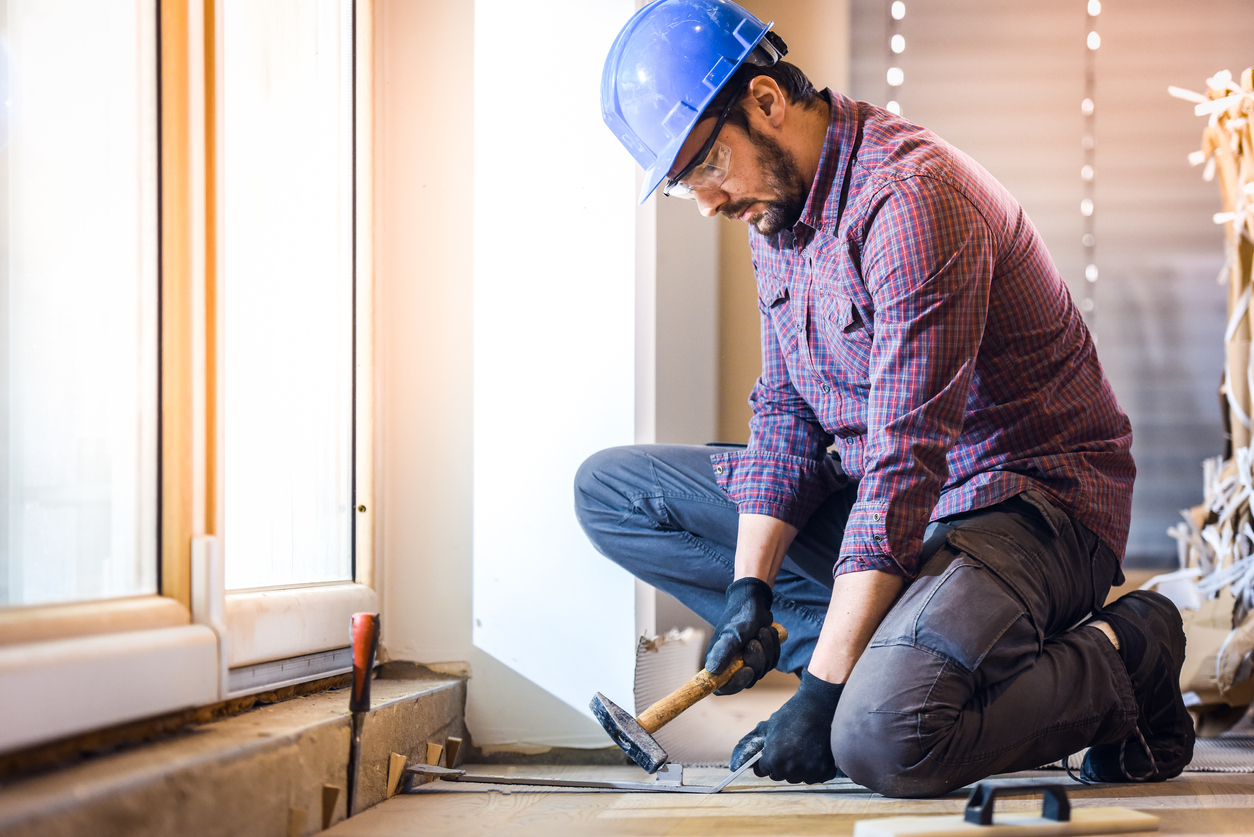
783,178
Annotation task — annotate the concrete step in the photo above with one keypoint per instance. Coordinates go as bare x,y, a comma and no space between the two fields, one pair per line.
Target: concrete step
264,772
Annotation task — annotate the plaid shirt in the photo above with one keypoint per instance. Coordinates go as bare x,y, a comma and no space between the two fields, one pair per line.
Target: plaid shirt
914,319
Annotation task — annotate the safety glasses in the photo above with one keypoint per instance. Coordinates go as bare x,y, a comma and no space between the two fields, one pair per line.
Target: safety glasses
708,175
709,165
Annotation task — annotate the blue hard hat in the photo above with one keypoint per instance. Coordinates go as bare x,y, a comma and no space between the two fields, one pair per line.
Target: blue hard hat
665,67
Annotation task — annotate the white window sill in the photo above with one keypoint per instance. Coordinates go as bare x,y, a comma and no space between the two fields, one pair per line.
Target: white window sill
276,624
68,669
63,687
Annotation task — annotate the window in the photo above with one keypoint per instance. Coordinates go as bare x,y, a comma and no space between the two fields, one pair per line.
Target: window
287,291
78,292
293,249
185,372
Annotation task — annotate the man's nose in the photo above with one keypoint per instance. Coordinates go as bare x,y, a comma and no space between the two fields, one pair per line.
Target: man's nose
708,201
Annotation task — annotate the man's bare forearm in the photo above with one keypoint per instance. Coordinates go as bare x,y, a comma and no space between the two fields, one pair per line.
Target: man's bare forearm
859,603
761,543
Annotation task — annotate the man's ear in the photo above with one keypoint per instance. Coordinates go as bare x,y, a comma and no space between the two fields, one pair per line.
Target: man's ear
769,101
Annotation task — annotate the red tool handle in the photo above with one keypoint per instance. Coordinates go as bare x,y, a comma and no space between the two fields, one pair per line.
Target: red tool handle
365,631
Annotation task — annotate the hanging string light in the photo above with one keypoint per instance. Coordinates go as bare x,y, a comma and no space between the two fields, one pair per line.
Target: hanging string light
1088,143
896,46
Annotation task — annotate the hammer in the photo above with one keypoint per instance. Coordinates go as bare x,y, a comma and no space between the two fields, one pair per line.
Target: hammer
635,735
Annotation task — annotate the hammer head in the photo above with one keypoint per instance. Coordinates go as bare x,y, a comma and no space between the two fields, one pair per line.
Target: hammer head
628,734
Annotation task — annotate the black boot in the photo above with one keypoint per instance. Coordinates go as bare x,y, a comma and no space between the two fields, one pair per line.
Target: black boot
1149,627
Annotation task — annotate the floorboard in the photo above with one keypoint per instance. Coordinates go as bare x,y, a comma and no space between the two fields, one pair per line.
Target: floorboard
1195,804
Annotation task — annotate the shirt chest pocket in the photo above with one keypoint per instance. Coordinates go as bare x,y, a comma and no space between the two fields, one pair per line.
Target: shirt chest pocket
846,332
783,319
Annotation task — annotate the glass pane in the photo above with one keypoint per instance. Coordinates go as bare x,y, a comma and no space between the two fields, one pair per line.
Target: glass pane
287,119
78,288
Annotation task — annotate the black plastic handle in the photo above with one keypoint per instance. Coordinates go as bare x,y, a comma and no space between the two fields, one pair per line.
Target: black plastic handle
1054,805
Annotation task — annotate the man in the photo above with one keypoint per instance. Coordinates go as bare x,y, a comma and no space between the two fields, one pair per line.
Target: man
935,496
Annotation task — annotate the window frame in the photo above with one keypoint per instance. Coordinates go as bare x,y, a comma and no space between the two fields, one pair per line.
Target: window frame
120,660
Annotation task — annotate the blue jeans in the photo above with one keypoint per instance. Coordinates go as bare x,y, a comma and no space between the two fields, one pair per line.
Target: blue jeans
979,667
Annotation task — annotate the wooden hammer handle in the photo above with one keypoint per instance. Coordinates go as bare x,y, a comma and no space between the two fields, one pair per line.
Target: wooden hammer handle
704,684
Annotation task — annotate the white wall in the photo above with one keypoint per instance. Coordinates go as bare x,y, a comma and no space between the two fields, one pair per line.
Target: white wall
424,113
554,327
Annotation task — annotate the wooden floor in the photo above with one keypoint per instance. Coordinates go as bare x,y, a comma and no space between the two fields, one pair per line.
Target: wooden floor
1196,804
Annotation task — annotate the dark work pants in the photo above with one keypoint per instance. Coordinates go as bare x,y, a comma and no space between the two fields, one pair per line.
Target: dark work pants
979,667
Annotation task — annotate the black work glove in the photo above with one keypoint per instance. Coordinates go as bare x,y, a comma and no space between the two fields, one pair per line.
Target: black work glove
750,745
744,628
796,742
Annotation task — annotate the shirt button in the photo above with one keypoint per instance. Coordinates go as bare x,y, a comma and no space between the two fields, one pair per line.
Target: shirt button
875,516
826,388
718,469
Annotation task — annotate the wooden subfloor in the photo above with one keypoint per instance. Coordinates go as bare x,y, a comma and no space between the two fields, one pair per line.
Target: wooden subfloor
1195,804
